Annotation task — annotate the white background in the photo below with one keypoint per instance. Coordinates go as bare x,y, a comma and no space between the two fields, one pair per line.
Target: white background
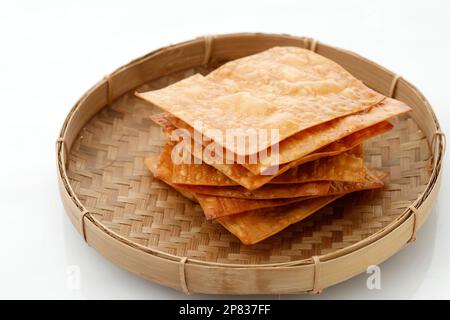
51,52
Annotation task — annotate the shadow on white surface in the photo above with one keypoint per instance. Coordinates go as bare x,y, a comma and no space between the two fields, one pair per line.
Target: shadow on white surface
401,275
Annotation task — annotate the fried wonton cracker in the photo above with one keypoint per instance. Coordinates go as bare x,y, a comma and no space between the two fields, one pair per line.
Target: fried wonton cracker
254,226
215,207
165,172
270,191
307,142
218,206
151,162
287,89
240,175
347,166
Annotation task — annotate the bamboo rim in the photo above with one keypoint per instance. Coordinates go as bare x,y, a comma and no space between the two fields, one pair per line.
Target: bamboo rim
204,50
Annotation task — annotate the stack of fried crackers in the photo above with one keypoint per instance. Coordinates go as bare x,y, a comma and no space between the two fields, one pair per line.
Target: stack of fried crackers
264,141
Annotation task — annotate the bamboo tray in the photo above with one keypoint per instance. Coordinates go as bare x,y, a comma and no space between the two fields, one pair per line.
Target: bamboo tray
149,229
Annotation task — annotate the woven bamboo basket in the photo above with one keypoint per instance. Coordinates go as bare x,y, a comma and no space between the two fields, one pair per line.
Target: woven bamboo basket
147,228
